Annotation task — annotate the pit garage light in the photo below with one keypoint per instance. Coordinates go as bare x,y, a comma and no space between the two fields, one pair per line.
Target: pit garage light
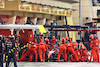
10,0
45,8
61,9
25,5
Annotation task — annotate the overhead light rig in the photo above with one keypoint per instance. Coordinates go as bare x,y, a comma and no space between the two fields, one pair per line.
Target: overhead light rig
70,28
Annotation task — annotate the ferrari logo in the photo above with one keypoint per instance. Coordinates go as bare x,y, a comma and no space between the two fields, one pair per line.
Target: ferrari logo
68,44
32,43
78,53
96,43
30,35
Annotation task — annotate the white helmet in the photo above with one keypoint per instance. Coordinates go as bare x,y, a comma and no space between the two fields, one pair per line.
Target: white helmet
12,36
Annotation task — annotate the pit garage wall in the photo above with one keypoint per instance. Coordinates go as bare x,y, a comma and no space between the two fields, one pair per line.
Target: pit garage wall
86,11
13,14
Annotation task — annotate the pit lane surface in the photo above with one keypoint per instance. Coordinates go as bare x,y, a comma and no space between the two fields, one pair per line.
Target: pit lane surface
56,64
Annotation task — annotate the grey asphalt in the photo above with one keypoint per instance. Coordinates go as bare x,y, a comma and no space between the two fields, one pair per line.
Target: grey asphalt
56,64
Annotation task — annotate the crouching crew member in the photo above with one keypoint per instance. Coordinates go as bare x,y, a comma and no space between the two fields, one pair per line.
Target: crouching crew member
31,51
73,59
83,52
70,49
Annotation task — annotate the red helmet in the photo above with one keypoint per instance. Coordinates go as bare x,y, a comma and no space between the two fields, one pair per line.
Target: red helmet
91,36
33,46
53,38
63,39
46,39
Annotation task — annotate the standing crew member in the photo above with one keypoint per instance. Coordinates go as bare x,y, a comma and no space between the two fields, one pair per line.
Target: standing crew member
41,50
47,44
1,51
62,48
96,49
91,39
10,45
